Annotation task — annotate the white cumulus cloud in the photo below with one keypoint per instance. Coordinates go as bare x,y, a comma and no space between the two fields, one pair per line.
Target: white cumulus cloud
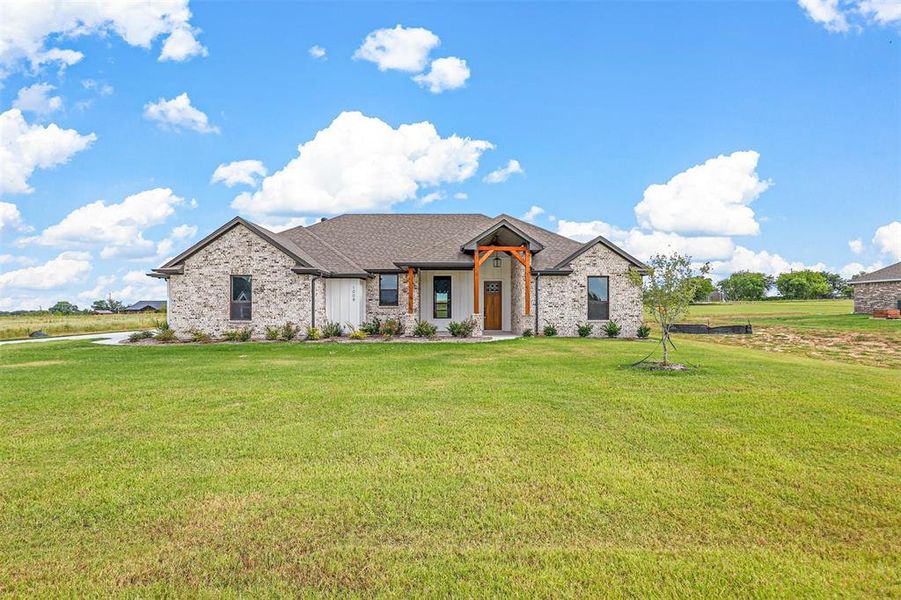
138,286
178,114
401,48
646,244
239,171
763,261
447,73
887,239
855,268
66,268
856,246
503,174
119,228
533,213
25,147
37,99
32,31
710,198
317,52
844,15
182,44
11,218
362,163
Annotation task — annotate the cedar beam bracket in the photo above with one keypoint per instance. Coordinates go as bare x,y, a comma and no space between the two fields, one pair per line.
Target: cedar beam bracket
409,290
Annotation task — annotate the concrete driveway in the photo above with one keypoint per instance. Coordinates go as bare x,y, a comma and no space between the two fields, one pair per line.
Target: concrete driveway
107,339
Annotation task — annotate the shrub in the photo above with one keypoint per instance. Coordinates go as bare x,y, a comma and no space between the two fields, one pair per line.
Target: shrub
550,330
272,333
392,327
238,335
332,329
461,328
372,327
612,329
140,335
527,333
200,337
288,331
165,335
644,331
425,329
358,334
313,333
585,329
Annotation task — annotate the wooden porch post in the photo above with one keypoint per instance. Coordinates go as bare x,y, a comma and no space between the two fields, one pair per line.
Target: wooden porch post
528,269
409,290
475,283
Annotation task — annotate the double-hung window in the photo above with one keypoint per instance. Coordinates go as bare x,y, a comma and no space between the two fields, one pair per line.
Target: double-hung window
241,296
441,297
388,289
598,298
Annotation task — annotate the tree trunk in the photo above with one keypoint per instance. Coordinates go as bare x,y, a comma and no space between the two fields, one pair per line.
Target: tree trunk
665,349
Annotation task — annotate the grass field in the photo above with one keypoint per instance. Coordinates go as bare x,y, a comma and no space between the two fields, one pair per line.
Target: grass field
18,327
534,467
814,328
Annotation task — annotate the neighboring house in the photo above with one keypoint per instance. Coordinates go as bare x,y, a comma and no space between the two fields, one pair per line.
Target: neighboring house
146,306
102,311
879,290
437,268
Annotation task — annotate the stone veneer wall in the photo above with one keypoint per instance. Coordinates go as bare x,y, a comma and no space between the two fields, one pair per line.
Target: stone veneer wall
563,299
876,296
199,299
391,312
519,321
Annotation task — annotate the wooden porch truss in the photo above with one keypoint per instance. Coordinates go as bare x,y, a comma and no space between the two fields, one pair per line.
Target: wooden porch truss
520,253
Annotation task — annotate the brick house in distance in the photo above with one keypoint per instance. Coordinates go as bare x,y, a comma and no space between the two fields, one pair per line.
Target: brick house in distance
879,290
506,274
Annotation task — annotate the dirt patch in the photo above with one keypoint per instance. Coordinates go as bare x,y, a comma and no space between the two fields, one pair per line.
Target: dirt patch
34,363
874,349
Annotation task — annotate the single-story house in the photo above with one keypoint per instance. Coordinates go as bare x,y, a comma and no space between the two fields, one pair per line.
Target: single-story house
879,290
146,306
505,273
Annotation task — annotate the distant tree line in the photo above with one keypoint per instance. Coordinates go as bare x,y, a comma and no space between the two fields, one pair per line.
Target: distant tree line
64,307
796,285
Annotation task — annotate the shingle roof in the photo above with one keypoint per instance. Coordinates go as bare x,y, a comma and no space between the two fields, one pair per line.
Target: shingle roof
141,304
889,273
354,244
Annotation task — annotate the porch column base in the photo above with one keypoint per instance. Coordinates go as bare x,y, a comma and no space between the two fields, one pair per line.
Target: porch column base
478,330
409,322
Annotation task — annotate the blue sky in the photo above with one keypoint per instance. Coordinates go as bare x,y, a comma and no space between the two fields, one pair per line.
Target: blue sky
759,135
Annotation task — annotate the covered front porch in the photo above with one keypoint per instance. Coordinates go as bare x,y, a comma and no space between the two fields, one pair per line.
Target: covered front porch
492,286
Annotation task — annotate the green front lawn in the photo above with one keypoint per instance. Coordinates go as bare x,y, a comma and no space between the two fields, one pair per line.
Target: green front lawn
531,467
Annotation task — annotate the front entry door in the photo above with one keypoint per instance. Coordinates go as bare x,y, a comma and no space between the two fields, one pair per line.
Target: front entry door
492,302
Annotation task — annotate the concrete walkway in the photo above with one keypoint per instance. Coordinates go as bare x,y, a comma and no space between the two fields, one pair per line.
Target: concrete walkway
106,339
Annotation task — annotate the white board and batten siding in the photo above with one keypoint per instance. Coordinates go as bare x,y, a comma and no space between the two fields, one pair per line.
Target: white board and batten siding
345,301
461,292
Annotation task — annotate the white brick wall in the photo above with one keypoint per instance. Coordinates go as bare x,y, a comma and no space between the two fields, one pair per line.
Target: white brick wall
563,299
199,299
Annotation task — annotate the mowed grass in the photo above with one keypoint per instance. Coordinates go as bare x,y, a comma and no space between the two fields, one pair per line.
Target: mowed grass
14,327
802,314
814,328
534,467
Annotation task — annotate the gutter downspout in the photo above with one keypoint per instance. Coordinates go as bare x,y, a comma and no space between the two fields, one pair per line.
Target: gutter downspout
537,288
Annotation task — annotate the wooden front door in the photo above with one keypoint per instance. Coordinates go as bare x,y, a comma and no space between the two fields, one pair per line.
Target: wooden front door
492,302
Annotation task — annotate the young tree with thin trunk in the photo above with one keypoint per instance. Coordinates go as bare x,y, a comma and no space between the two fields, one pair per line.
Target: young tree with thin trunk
667,289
